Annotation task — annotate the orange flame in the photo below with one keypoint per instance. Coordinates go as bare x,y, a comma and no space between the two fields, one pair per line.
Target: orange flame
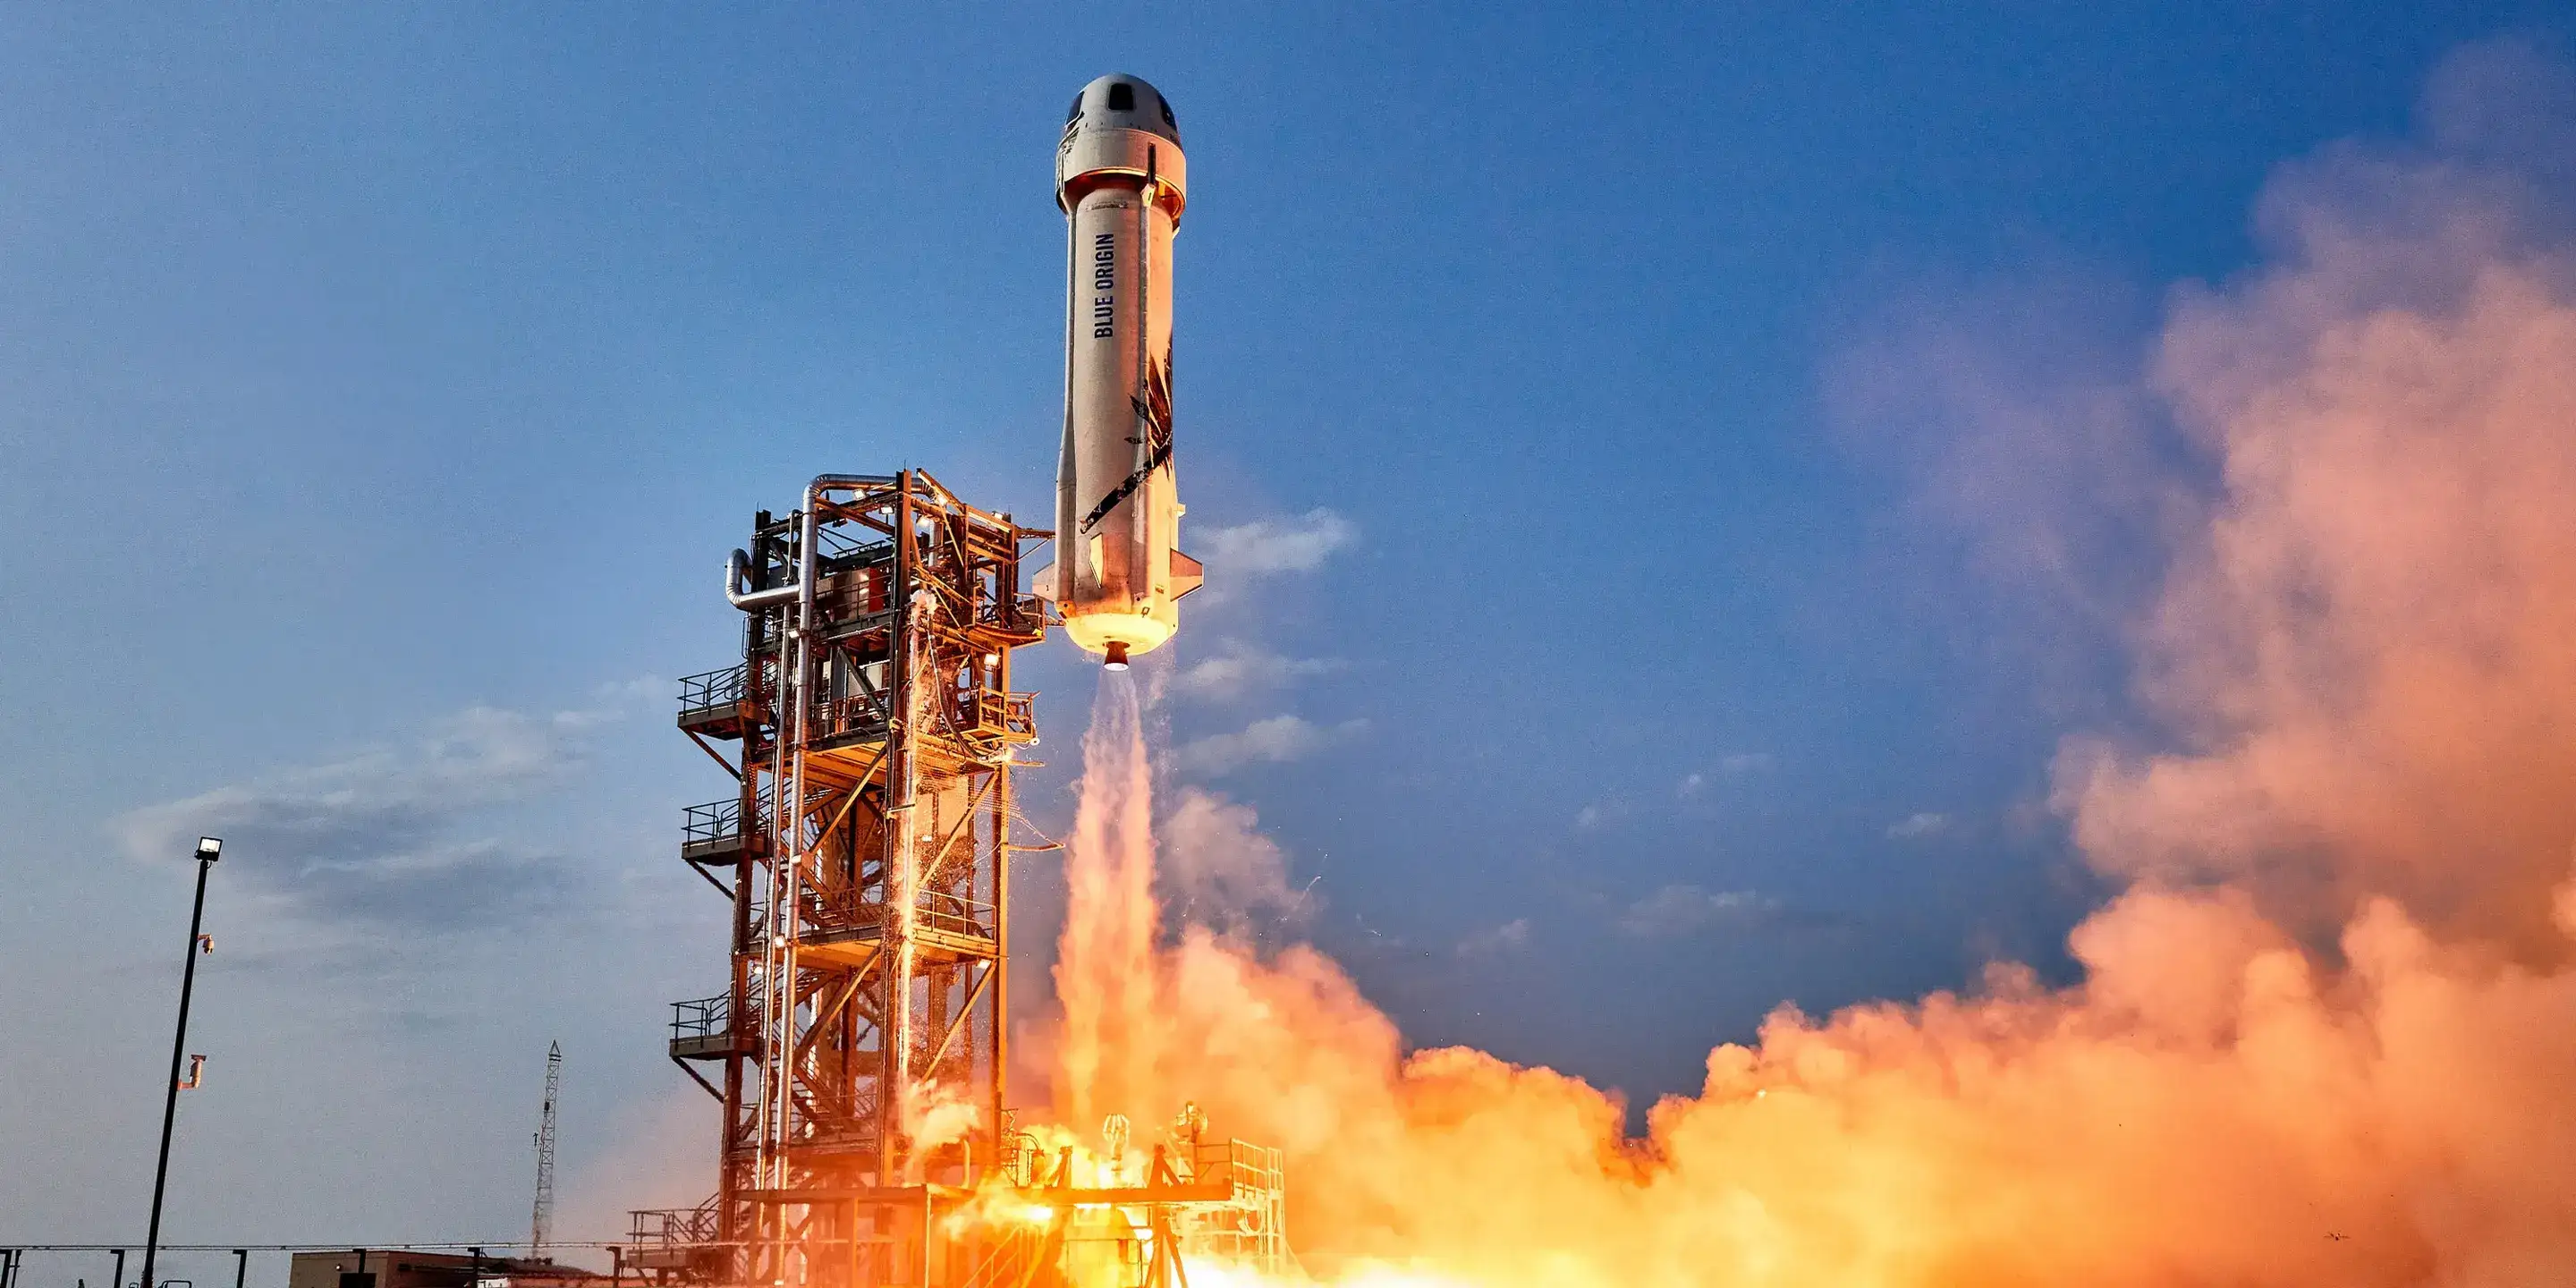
2368,650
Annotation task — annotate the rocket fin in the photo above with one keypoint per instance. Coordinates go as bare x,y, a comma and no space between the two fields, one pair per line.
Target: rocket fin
1042,584
1187,574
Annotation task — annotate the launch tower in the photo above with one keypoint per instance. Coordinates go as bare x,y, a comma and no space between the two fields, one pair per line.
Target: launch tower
859,1049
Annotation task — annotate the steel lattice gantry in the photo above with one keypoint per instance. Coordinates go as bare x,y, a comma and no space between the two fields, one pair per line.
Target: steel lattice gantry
861,1042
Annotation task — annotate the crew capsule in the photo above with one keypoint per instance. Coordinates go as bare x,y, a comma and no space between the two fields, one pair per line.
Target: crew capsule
1121,181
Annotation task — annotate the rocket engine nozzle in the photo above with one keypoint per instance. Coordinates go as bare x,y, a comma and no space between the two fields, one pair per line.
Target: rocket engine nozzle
1116,657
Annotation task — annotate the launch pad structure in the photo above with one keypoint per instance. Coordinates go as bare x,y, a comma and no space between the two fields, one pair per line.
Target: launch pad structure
859,1051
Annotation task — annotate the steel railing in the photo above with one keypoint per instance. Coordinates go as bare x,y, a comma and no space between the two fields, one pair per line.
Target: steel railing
718,688
718,821
676,1226
702,1018
952,914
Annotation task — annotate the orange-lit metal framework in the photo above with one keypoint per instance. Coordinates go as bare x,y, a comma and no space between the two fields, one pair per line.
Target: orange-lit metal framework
865,853
875,728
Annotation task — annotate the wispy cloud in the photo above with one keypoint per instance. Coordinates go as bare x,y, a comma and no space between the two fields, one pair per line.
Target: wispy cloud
1277,740
1498,941
437,886
383,834
1600,813
1239,670
1734,765
1266,546
1915,827
1678,910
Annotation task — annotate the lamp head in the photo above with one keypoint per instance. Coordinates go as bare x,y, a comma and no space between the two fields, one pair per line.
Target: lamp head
209,848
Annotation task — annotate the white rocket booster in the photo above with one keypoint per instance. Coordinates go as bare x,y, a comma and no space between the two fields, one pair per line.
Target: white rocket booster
1121,181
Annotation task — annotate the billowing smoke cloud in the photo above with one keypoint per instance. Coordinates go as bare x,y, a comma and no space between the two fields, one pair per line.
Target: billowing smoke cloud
1222,872
2368,651
2326,1034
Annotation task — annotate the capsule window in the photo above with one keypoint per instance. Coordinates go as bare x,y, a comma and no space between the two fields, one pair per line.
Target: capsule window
1122,97
1167,113
1074,113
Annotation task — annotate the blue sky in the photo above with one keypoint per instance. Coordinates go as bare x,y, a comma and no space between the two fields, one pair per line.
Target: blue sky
380,389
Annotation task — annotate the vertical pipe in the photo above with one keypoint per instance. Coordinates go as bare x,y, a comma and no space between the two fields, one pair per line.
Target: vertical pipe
1001,989
178,1045
895,935
738,1015
778,1042
738,1011
769,1255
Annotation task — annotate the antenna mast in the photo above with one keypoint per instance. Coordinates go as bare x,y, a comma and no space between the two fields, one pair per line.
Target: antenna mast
543,1214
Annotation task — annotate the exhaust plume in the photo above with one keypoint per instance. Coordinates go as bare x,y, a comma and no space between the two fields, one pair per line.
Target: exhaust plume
2326,1033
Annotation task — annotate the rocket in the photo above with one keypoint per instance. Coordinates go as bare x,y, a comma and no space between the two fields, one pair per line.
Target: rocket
1121,181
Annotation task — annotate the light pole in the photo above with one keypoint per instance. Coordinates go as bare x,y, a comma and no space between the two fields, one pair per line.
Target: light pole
208,850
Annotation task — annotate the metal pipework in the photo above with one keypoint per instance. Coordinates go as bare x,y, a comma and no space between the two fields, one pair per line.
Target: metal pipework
738,564
788,793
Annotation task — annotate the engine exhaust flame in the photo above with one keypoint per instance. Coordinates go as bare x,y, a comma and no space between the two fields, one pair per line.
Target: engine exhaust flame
2327,1034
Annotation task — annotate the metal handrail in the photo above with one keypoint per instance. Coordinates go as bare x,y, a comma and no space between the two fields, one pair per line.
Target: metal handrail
839,543
1007,714
954,914
716,688
717,821
957,914
671,1226
835,717
702,1017
1003,712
